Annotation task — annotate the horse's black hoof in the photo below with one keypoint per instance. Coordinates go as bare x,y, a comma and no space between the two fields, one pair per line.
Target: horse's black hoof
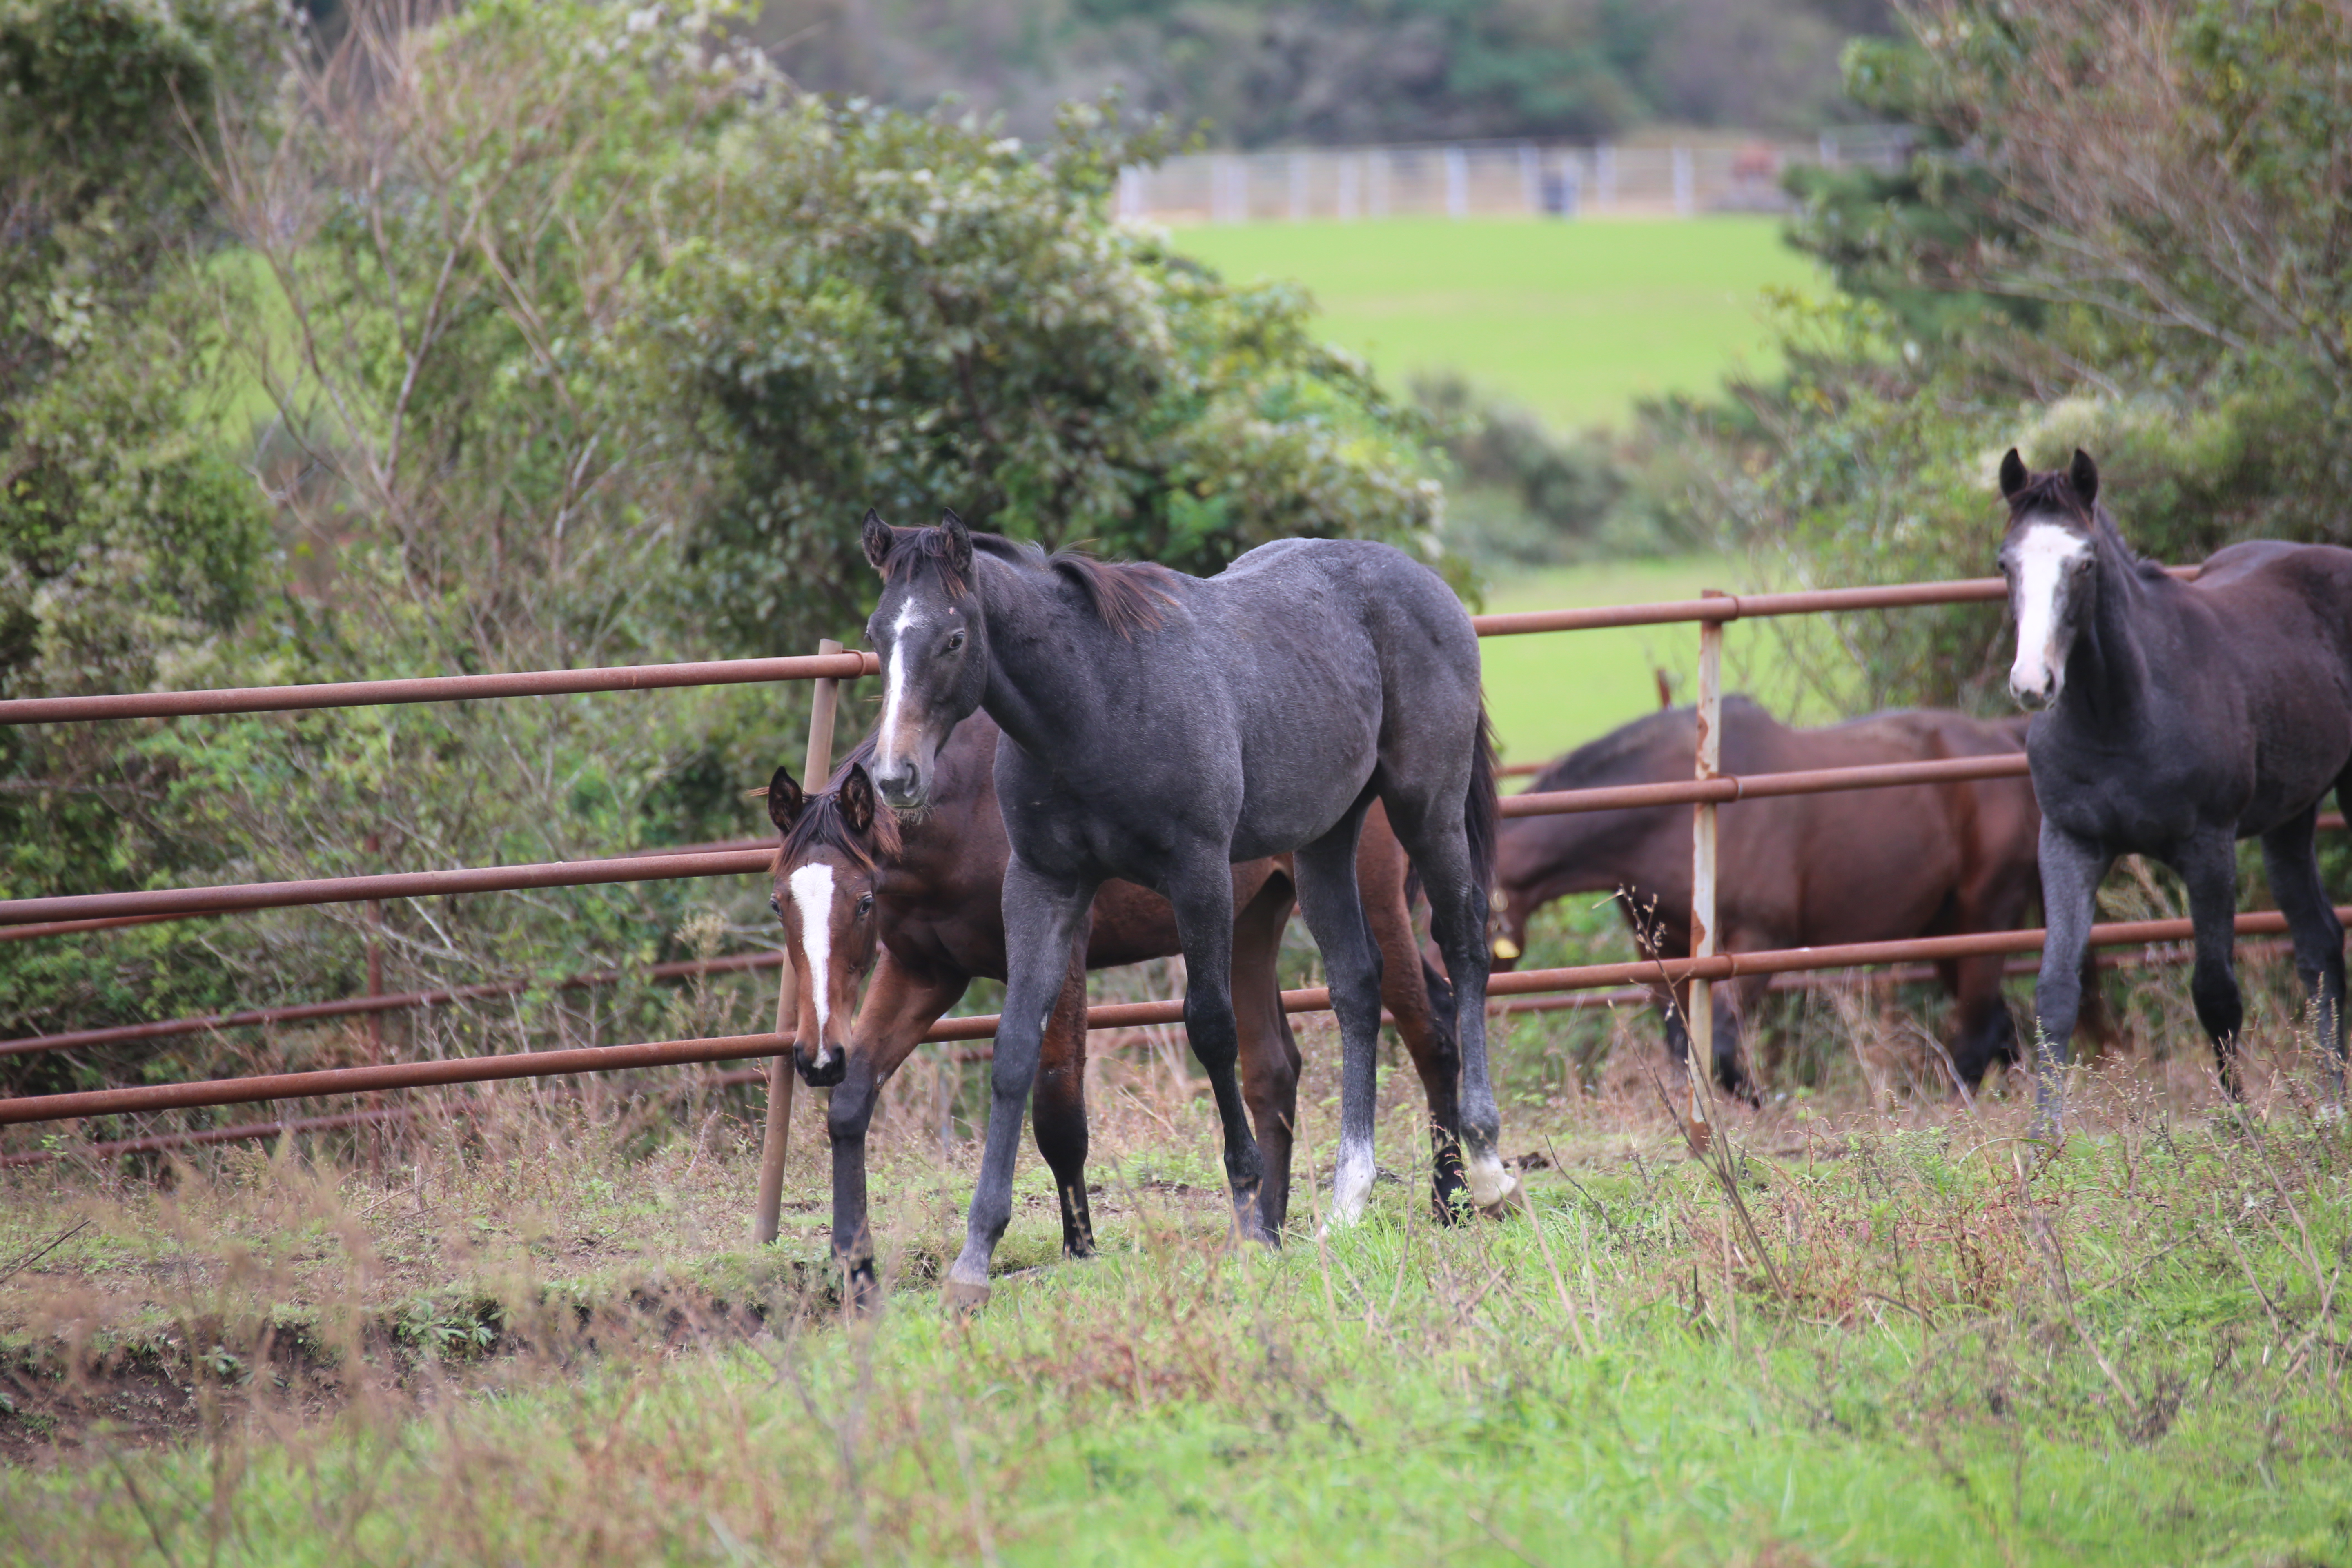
861,1292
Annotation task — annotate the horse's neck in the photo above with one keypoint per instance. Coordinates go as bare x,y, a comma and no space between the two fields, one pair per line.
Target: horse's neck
1584,855
2106,673
1028,686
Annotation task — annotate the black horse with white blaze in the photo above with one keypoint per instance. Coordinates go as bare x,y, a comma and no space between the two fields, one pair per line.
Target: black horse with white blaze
1158,728
2177,718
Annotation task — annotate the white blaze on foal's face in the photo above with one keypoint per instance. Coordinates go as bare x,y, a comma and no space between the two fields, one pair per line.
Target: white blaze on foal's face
2044,565
811,887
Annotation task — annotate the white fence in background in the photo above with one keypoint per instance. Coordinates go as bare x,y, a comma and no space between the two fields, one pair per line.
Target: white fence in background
1490,179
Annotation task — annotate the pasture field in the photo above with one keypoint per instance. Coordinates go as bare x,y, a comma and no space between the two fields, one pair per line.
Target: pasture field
1551,691
1574,320
534,1334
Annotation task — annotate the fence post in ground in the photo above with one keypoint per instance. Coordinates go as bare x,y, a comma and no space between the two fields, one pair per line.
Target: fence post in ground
1457,183
374,916
1297,187
1530,181
1685,198
1700,1016
776,1140
1350,166
1604,176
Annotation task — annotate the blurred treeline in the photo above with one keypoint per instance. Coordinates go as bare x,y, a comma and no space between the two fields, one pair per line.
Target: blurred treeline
2128,227
2126,224
410,339
1255,73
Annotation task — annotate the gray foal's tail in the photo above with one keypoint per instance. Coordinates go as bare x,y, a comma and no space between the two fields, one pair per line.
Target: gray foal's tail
1482,813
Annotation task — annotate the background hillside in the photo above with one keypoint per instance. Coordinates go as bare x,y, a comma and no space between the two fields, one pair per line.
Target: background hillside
1255,73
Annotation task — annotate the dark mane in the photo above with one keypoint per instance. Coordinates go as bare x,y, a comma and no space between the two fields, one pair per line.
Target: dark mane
820,824
1125,596
1612,758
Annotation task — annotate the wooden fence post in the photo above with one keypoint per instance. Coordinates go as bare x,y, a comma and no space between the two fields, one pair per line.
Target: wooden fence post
776,1141
1700,1015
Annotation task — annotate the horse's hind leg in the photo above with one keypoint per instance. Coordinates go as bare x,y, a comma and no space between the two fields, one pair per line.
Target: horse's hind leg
1420,1002
1058,1116
1043,923
2209,865
1200,891
2291,864
1329,897
1269,1052
1438,843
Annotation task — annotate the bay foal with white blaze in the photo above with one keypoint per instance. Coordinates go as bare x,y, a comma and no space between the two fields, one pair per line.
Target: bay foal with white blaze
2176,719
1157,728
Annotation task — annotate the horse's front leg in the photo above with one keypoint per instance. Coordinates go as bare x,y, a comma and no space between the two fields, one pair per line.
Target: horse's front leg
2209,865
1043,923
1440,846
2293,867
900,1008
1202,893
1058,1115
2072,869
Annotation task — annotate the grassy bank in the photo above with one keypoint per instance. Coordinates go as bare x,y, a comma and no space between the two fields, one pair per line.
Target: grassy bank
1573,320
1914,1339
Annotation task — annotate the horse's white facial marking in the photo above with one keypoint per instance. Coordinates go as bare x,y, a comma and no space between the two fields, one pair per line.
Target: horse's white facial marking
2039,596
812,893
889,747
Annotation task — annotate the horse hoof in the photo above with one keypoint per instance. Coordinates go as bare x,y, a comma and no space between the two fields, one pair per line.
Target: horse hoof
861,1293
964,1300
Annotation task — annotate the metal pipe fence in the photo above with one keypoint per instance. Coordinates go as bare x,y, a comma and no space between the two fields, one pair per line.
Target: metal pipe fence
1493,179
1705,793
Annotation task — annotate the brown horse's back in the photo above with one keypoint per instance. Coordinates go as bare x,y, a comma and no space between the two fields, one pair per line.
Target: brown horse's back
1872,865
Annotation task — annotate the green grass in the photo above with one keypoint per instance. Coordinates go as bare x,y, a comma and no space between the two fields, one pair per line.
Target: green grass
2126,1354
1574,319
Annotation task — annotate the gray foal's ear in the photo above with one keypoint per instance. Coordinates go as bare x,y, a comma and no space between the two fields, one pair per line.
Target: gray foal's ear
785,800
958,543
2084,475
2012,475
877,536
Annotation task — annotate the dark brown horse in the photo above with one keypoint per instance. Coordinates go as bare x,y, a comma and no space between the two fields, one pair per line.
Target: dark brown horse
916,900
1804,870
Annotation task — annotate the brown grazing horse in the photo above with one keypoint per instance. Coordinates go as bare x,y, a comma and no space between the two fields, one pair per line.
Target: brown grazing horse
1805,870
915,899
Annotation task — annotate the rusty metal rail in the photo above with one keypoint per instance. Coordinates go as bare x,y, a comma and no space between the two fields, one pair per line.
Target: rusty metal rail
1720,608
392,885
1726,788
435,688
393,1002
1573,1001
738,1047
